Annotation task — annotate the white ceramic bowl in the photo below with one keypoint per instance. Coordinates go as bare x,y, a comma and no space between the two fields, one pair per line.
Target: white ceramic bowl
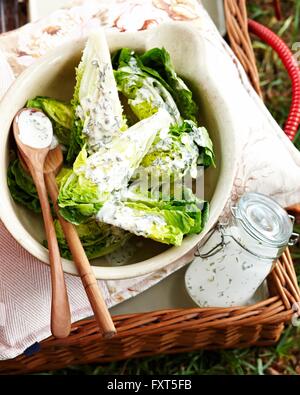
54,75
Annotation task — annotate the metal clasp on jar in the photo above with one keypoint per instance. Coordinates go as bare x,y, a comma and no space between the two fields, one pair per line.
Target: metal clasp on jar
217,248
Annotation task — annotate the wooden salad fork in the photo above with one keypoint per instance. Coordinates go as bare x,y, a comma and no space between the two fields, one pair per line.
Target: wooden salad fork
35,159
52,166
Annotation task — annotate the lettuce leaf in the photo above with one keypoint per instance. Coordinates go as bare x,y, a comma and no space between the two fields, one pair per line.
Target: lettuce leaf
21,187
158,61
78,196
142,78
98,111
145,93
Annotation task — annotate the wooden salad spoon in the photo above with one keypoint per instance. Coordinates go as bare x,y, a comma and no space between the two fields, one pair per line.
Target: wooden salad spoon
33,134
52,166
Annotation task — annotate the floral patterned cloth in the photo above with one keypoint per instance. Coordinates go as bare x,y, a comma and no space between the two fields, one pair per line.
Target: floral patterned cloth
24,281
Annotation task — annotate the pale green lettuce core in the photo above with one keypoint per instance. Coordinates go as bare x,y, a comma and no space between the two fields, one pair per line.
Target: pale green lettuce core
93,179
98,111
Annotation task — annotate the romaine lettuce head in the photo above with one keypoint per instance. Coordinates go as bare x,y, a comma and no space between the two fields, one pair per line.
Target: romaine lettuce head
145,93
177,152
98,239
60,113
98,111
157,62
165,221
93,179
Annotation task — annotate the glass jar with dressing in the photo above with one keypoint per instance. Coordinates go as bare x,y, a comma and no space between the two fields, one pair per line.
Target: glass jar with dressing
237,257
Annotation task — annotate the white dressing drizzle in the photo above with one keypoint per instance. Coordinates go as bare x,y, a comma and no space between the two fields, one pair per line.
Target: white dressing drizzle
111,168
140,223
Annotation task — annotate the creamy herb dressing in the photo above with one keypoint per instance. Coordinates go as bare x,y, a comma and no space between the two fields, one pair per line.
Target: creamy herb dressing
35,129
237,257
152,92
118,214
229,278
112,167
99,109
182,155
158,96
101,123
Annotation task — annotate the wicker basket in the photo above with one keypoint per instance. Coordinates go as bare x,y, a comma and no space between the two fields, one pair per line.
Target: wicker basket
181,330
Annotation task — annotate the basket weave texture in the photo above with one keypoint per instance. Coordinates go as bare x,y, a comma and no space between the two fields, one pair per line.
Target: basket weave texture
238,35
181,330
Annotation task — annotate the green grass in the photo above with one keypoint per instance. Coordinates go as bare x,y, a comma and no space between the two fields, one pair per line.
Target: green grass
284,358
256,361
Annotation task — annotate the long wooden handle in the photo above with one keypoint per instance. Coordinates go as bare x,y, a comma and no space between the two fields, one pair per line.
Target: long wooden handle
82,263
60,308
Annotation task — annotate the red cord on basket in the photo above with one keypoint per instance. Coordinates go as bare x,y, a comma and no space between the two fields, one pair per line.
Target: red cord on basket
290,63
